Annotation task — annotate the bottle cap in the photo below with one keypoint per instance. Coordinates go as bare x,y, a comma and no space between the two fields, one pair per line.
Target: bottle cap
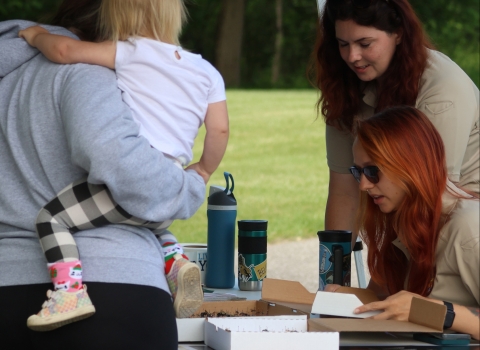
220,197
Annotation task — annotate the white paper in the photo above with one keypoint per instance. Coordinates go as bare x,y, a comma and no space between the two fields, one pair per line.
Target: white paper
339,304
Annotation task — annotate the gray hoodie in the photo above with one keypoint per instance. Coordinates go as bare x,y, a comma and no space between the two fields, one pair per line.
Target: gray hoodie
58,123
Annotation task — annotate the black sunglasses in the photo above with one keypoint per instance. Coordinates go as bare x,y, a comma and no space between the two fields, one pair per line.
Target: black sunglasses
370,172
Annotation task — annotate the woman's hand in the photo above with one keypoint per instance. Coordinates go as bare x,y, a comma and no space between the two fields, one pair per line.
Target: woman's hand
396,307
31,33
331,287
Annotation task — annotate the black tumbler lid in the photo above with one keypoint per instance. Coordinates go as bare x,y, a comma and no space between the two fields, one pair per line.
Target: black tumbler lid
334,236
252,225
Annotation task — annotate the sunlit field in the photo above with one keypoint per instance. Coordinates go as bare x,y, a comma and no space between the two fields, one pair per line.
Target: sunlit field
276,154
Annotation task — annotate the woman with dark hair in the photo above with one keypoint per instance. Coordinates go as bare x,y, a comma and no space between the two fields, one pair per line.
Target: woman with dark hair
421,230
59,123
373,54
80,17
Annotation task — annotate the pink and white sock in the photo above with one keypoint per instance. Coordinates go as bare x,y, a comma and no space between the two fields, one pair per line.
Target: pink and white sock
66,276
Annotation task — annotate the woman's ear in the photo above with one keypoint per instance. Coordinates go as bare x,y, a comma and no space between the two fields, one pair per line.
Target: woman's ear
398,40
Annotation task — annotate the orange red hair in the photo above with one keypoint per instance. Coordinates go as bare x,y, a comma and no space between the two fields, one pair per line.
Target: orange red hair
408,149
340,87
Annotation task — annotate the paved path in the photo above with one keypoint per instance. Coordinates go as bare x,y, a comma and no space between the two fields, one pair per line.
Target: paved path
298,261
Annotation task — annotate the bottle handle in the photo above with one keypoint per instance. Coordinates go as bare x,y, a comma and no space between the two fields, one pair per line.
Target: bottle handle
228,189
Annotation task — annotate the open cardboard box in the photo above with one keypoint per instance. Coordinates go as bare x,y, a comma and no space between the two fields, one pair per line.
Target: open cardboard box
192,329
424,316
281,297
276,332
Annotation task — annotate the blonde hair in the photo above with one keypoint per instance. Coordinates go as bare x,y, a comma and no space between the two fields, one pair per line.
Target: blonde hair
156,19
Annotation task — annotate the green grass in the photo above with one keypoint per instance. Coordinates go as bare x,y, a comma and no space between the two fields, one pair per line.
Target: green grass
276,154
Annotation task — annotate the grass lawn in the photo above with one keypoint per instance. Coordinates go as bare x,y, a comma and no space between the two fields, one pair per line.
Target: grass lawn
276,154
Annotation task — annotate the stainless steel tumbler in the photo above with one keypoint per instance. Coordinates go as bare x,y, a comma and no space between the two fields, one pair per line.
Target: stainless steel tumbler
252,254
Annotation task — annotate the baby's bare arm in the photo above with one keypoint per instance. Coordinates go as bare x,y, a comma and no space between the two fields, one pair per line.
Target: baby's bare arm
65,50
216,139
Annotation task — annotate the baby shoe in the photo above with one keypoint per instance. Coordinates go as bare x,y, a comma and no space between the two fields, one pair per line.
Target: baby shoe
62,308
185,286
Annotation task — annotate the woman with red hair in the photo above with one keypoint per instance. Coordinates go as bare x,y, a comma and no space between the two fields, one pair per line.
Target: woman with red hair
371,55
421,230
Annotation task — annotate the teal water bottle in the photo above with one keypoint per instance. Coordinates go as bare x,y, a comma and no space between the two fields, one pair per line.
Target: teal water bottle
221,216
252,254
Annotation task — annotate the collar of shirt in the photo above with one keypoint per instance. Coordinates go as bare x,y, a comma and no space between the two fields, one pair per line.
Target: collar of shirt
369,93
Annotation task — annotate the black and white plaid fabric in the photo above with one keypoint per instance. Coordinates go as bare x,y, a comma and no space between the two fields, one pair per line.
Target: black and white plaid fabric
82,206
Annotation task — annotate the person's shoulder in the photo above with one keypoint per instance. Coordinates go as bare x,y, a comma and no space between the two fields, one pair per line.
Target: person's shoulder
209,67
87,79
438,60
443,81
203,66
91,71
145,48
441,69
468,208
195,59
198,59
465,222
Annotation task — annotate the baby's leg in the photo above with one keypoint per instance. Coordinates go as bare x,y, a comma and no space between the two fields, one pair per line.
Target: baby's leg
79,206
183,276
169,243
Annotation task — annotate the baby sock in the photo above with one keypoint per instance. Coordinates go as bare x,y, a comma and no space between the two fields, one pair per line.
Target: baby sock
66,276
170,249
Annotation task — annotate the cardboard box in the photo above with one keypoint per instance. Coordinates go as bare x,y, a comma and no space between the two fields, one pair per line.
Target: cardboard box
279,332
424,316
291,294
281,297
192,329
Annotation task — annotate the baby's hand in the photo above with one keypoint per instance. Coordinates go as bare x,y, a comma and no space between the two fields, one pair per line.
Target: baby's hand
198,168
30,34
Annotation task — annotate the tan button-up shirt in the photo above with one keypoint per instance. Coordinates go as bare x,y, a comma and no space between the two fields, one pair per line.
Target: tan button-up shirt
458,250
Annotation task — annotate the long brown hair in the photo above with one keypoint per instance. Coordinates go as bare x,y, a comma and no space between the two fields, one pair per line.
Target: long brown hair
408,149
340,87
79,16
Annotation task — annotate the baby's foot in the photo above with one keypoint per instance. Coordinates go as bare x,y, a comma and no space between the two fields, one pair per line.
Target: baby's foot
185,286
62,308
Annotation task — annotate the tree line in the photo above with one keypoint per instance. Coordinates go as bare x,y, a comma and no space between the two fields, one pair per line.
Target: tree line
267,43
